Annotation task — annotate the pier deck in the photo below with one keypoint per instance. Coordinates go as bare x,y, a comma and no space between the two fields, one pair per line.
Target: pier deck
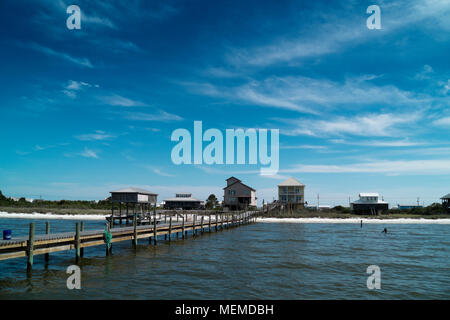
78,240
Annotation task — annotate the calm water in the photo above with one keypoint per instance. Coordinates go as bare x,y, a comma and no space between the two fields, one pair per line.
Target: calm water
258,261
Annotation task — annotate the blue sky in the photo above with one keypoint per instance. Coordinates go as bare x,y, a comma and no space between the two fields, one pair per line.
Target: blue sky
87,111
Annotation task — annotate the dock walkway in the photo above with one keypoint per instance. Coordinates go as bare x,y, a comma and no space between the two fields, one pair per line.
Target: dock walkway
78,240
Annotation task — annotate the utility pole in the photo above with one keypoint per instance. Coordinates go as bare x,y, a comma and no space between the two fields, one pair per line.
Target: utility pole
318,204
418,201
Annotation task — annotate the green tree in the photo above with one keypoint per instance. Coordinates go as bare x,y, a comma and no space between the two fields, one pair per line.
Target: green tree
211,202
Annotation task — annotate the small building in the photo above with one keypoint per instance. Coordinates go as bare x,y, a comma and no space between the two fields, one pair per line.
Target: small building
292,192
133,195
369,203
183,201
408,206
238,196
140,201
446,202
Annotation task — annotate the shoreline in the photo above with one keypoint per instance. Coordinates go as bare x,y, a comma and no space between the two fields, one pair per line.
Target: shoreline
53,216
351,220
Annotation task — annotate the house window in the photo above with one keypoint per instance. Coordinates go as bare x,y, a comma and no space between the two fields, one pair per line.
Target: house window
283,198
299,198
232,192
297,190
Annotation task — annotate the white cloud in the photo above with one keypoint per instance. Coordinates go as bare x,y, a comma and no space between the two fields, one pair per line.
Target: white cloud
445,122
73,87
87,153
117,100
387,167
380,143
310,95
98,135
155,116
341,32
50,52
383,125
161,173
425,73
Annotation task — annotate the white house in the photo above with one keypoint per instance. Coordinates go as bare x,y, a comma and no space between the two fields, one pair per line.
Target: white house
292,191
369,203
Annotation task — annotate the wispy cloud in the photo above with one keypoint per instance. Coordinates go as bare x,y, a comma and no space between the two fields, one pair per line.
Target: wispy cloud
88,153
161,173
382,166
341,32
305,146
98,135
310,95
72,88
118,100
383,124
84,62
445,122
425,73
155,116
380,143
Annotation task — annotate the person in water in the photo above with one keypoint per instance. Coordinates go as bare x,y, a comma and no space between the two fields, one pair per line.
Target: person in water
385,230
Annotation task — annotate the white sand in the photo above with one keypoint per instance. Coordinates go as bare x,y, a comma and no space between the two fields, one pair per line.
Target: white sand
49,215
354,220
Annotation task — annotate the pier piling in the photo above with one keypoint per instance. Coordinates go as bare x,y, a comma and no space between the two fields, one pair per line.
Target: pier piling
30,247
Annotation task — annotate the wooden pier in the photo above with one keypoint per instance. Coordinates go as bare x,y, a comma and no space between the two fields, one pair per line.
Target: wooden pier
55,242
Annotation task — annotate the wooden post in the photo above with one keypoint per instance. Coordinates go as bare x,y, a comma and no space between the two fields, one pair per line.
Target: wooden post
221,221
216,222
209,222
201,229
77,241
47,231
120,212
30,247
194,230
81,230
135,239
182,228
170,228
112,211
155,241
165,221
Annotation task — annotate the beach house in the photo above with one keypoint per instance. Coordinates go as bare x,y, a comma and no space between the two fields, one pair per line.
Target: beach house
136,201
292,192
183,201
369,203
237,195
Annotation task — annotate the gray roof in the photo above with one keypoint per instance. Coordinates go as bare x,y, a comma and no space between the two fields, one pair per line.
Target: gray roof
181,199
291,182
446,196
239,181
134,190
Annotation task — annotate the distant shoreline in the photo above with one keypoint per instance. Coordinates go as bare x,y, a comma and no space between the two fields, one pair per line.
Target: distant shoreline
306,217
355,220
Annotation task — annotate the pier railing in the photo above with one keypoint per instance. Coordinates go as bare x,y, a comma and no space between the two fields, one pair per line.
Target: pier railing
178,226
